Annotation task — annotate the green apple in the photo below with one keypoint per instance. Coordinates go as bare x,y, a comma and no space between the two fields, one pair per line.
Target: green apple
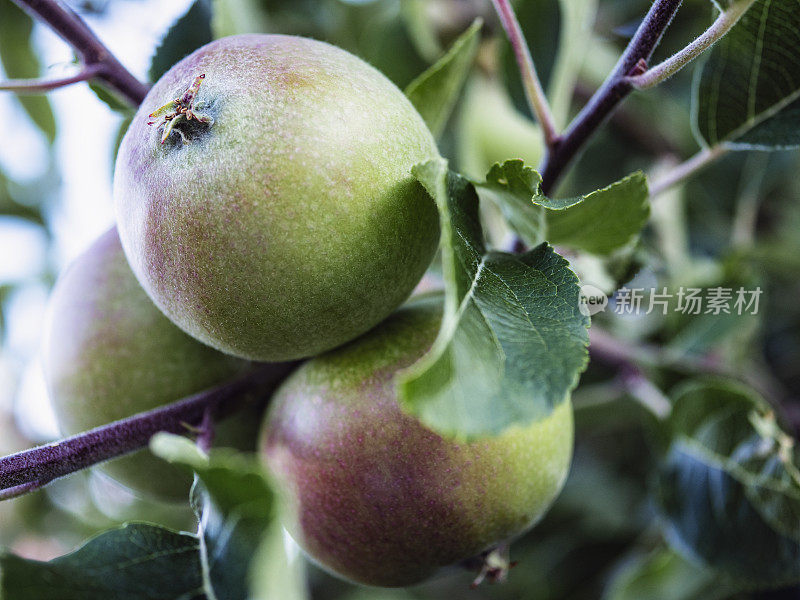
265,199
376,497
109,353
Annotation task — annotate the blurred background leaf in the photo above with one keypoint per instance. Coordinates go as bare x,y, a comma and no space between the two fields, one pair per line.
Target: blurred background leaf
21,62
729,487
187,34
748,93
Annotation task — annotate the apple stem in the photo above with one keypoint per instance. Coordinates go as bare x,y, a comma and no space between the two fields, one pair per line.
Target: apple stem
537,100
98,61
494,566
31,469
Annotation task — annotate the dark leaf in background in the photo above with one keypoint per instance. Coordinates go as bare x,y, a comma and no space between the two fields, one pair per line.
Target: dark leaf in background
187,34
748,91
729,488
540,23
665,575
111,100
135,562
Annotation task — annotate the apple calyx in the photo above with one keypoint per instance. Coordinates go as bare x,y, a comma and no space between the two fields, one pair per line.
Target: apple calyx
183,108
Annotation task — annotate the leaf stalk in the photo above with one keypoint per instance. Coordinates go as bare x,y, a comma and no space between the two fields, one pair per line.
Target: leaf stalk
686,169
537,99
666,69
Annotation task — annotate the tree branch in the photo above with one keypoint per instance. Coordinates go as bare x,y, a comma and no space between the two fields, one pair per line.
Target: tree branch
530,79
31,469
631,357
92,52
616,87
38,86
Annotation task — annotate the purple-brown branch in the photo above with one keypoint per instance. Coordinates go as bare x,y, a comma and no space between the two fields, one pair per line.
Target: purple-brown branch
616,87
31,469
631,359
91,51
41,86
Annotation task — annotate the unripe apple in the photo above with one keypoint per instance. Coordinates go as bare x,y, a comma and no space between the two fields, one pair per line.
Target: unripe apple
376,497
269,209
109,353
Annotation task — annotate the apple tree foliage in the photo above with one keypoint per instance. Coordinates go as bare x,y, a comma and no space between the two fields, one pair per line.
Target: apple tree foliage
685,481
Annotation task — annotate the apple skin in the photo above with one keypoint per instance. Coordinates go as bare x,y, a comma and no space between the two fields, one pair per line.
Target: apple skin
290,225
376,497
109,353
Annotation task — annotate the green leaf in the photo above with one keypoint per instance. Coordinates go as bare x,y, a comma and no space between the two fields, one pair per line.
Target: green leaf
135,562
238,522
434,92
234,17
421,28
121,131
10,207
600,222
187,34
604,220
729,488
110,98
20,62
279,576
665,575
513,340
236,510
747,94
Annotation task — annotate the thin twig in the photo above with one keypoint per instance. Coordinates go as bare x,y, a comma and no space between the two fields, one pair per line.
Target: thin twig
530,80
91,51
38,86
686,169
645,392
616,87
635,355
34,468
722,25
206,431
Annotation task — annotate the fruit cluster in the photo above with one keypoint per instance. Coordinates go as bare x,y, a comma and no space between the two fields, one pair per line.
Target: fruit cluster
267,212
